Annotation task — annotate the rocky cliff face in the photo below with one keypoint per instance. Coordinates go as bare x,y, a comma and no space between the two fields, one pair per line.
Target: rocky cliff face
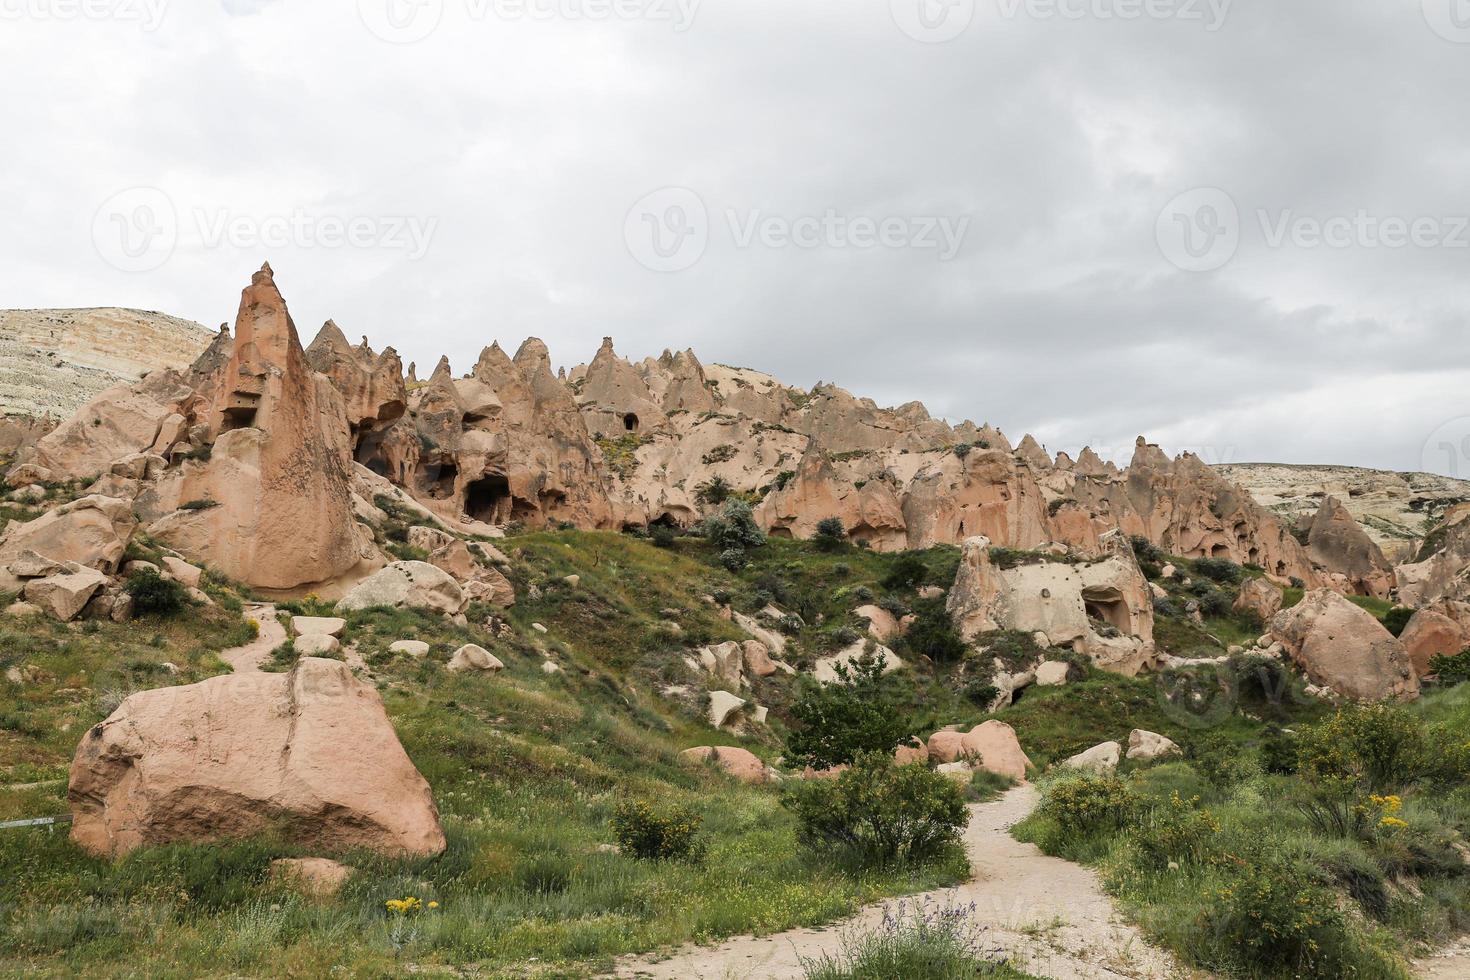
54,361
618,444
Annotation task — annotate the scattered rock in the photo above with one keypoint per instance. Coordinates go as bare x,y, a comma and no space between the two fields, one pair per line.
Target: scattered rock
1147,746
64,596
723,706
993,746
1344,647
317,644
406,585
549,668
1429,633
417,649
961,773
187,574
825,669
1099,758
911,752
539,628
474,658
325,625
1053,673
882,625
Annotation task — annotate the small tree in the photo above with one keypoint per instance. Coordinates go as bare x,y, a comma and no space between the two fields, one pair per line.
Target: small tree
831,533
714,491
908,572
933,635
734,528
835,722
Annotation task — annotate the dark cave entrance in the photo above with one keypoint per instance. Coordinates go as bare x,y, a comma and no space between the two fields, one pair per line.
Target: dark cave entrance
630,422
488,499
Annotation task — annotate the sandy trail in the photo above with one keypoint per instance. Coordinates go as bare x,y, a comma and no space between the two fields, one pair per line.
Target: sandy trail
1048,916
248,658
1449,964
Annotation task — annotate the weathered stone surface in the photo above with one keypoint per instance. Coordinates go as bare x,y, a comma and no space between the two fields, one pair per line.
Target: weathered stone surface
93,531
406,585
1102,608
317,644
825,669
1429,633
1260,598
724,707
911,753
1339,545
946,746
993,746
757,658
472,659
189,575
1345,648
326,625
882,625
1099,758
64,596
1053,673
310,754
1147,746
417,649
737,762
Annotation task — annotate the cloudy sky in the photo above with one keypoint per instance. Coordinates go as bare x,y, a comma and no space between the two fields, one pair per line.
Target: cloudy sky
1237,227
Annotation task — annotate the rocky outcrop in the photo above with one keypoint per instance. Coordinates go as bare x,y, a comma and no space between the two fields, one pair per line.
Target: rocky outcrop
1442,567
309,754
93,532
739,763
1259,598
1339,546
276,482
1342,646
406,585
1102,608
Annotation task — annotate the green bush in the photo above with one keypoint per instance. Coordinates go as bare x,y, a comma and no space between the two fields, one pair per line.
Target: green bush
1089,804
653,833
908,572
1274,919
1369,749
879,812
831,533
835,723
663,536
1178,832
1397,618
933,634
1219,570
1451,670
154,595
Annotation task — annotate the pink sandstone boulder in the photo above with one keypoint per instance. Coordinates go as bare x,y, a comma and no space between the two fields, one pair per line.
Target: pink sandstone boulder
309,754
1429,633
1342,646
911,752
744,766
993,745
1259,597
946,746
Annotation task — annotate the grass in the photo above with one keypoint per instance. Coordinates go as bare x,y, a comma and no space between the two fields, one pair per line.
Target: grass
915,942
1201,838
527,770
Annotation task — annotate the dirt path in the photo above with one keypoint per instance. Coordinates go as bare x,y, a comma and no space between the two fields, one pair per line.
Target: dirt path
1048,916
1450,964
248,658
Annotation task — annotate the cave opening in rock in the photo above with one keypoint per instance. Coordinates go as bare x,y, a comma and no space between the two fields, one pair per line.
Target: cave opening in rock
630,422
488,499
1107,605
1220,551
240,415
442,478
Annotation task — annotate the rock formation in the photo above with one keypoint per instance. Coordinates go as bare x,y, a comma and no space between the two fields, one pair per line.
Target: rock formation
1342,646
240,755
1339,546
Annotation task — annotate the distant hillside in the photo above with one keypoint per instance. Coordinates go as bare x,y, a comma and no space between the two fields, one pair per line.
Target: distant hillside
53,361
1392,507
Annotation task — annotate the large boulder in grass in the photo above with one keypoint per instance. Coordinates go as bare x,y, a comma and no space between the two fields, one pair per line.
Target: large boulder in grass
739,763
308,754
93,531
1430,633
1343,647
993,746
945,747
64,596
406,585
